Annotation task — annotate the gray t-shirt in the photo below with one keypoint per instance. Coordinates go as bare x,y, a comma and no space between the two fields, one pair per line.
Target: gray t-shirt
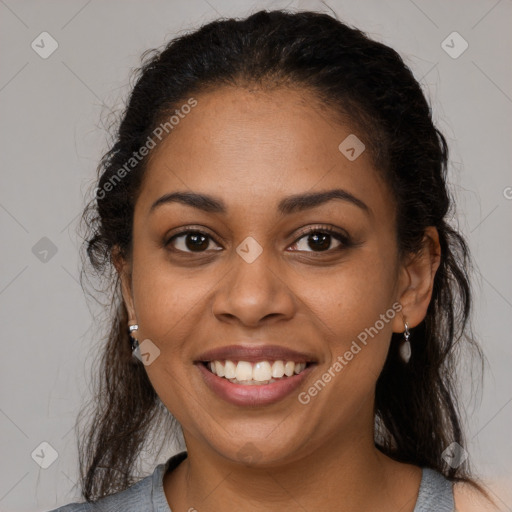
147,495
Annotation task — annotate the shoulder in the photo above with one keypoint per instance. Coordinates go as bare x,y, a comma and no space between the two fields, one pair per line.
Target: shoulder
135,498
435,492
468,498
146,494
75,507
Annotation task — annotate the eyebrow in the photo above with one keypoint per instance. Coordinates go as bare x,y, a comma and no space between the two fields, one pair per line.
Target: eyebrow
286,206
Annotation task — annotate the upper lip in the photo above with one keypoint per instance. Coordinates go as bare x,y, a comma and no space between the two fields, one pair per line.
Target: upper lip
255,353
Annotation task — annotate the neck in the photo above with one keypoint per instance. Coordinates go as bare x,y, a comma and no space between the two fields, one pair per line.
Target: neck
354,474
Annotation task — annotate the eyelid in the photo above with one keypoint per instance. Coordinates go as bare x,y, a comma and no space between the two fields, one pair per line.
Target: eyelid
340,234
323,228
185,231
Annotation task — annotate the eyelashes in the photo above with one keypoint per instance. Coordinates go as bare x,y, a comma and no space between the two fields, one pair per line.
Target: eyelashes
340,236
196,235
197,241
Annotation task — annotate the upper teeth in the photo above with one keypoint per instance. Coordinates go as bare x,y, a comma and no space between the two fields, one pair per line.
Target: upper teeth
260,371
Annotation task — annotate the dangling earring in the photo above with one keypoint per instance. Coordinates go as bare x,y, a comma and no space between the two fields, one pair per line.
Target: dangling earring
133,341
405,346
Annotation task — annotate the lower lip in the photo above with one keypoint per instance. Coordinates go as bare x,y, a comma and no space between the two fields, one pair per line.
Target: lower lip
252,395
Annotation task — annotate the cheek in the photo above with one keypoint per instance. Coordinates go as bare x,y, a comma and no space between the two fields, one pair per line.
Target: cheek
169,307
355,319
356,314
166,300
355,295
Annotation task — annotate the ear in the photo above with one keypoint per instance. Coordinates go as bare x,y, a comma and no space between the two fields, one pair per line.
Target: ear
417,281
123,267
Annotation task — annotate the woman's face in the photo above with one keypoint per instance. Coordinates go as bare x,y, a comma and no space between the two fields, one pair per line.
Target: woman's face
256,278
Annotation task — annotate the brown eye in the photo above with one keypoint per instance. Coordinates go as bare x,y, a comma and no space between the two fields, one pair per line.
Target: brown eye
190,241
321,240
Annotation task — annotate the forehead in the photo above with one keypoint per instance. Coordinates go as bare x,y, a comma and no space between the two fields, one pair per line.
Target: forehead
244,145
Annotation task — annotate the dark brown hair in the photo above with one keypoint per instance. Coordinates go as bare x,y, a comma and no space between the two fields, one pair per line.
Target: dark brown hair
351,75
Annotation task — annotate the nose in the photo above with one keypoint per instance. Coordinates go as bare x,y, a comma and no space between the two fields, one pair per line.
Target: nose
254,292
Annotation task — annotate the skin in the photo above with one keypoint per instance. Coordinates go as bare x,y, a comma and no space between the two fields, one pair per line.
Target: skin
252,149
469,499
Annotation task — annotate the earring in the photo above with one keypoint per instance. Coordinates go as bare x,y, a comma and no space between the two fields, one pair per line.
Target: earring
133,341
405,346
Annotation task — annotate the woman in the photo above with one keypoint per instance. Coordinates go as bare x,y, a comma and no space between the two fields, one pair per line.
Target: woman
276,212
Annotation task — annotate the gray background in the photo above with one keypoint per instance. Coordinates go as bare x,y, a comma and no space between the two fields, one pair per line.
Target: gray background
52,139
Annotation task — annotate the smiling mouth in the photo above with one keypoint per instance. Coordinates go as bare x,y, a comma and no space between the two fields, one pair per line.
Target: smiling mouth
257,373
